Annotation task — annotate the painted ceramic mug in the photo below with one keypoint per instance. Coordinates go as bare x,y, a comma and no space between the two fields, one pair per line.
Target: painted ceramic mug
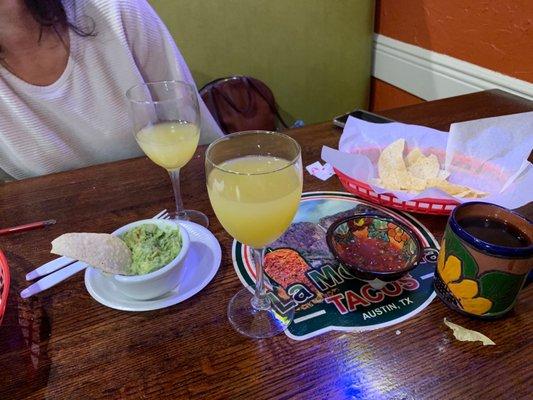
476,274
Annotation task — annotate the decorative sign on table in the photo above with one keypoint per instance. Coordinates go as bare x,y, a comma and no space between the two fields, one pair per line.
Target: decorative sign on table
301,272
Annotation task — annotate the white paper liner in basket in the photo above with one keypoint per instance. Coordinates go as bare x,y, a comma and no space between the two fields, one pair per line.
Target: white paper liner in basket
488,155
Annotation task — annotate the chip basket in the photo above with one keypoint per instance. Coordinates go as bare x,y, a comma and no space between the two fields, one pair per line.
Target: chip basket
4,284
422,206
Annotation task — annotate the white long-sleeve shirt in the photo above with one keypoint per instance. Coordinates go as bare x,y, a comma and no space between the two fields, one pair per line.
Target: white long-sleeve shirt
83,118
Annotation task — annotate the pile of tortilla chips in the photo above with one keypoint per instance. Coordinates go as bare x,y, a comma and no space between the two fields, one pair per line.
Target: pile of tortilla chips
416,172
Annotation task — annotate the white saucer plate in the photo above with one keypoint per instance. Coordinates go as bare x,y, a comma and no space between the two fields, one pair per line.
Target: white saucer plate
201,265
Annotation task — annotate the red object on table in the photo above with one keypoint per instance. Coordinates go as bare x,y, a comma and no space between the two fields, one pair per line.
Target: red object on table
422,206
4,284
27,227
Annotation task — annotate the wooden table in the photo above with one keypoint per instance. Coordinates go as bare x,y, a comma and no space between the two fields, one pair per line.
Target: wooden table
64,345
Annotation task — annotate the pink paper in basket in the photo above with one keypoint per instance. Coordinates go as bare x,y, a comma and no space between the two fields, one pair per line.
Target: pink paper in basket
361,143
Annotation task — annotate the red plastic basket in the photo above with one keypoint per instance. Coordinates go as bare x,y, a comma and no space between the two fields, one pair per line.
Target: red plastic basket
422,206
4,284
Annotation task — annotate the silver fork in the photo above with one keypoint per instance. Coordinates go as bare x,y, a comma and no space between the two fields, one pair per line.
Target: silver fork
60,269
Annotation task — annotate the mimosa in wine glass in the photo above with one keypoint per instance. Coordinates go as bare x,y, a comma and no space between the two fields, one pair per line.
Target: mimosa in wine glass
166,122
254,181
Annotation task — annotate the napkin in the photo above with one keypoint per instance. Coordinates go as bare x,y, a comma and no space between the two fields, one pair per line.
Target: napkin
487,154
322,172
503,142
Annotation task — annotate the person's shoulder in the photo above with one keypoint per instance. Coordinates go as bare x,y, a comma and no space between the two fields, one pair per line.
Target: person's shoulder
129,15
109,9
124,7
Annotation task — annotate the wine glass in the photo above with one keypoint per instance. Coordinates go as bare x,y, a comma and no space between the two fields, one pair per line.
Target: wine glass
254,182
166,125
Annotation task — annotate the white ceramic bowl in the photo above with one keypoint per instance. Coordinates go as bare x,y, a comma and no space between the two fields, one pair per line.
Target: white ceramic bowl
159,282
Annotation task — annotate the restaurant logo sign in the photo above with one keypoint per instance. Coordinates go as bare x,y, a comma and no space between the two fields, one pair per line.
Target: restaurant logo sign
301,273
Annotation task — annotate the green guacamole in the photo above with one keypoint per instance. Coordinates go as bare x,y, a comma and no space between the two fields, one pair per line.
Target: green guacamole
151,247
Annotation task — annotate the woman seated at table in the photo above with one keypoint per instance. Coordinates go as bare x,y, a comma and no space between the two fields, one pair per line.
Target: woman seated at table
64,71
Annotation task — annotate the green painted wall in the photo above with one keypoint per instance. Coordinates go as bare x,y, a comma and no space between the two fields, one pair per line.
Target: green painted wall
314,54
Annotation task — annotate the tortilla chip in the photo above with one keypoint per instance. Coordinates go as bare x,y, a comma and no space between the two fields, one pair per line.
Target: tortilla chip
477,193
466,193
467,335
446,186
416,184
391,167
425,167
413,156
100,250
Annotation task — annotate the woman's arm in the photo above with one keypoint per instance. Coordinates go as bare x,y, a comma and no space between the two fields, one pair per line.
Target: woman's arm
158,57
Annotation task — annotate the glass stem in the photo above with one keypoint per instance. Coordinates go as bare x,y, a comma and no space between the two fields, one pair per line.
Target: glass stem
175,178
260,301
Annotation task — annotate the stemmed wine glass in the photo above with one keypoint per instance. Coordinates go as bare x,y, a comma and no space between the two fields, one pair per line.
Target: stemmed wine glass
166,123
254,182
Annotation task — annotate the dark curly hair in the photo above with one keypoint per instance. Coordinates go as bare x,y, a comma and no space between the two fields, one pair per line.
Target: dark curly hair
51,14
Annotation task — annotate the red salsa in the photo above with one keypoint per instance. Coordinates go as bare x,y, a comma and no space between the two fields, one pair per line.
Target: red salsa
371,254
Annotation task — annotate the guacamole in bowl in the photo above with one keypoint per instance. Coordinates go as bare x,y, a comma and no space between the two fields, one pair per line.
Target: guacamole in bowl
159,249
152,247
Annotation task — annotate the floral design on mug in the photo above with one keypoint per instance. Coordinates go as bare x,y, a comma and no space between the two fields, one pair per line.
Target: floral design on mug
464,290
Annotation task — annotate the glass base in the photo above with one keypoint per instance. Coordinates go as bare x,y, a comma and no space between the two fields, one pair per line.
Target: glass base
197,217
255,323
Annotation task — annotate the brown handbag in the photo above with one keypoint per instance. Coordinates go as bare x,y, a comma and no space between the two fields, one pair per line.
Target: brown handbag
241,103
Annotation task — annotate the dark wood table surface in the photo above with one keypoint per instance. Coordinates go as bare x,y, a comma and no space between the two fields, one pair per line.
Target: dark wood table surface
62,344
